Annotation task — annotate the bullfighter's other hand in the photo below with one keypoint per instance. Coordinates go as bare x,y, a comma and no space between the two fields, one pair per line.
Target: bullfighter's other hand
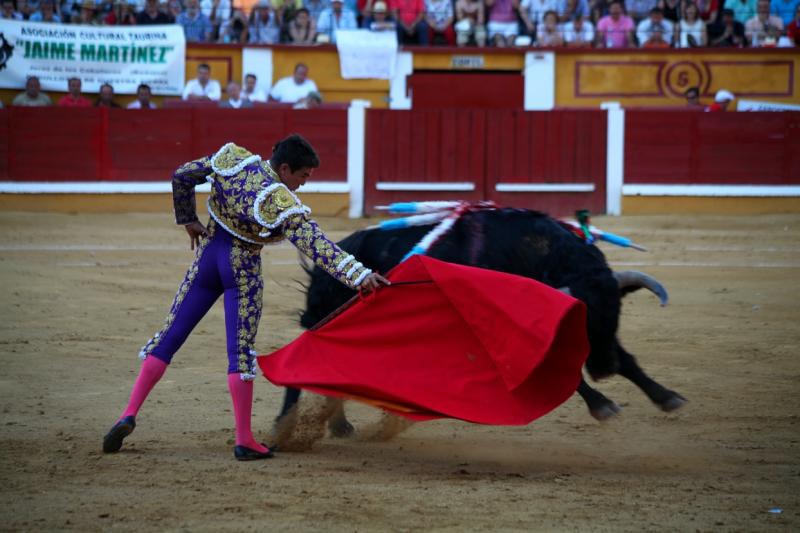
195,230
372,282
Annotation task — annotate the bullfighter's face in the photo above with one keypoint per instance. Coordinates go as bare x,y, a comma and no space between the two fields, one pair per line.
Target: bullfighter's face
294,180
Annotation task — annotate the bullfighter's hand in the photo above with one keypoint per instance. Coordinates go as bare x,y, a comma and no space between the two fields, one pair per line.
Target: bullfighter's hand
195,230
372,282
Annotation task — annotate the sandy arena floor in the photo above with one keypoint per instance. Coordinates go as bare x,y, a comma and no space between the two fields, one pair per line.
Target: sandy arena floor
80,295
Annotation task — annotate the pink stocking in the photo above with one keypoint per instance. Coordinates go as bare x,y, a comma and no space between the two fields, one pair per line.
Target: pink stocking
242,396
151,371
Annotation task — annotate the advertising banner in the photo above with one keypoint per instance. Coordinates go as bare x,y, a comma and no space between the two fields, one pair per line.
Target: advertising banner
123,56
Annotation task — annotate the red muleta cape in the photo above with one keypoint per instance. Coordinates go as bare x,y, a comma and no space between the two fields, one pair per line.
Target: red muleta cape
445,340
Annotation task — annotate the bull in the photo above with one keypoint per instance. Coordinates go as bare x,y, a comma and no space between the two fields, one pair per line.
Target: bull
521,242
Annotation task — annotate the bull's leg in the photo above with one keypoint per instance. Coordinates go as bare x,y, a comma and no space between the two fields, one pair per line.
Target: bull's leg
290,397
600,407
304,424
386,428
338,424
665,399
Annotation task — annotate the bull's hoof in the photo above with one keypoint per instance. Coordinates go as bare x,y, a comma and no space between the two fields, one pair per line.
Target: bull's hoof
341,429
605,411
673,403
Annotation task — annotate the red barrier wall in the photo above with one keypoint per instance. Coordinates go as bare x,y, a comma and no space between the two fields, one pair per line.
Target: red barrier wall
668,147
559,147
487,147
465,90
62,144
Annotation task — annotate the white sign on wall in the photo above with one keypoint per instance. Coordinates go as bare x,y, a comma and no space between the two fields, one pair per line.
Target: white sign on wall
123,56
367,54
755,105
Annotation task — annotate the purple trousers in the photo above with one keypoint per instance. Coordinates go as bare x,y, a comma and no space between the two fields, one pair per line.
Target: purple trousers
227,266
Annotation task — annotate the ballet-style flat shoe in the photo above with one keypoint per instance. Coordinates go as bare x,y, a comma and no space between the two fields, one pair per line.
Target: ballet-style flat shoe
243,453
112,442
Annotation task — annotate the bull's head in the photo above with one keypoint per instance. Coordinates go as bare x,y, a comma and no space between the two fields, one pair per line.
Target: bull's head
604,304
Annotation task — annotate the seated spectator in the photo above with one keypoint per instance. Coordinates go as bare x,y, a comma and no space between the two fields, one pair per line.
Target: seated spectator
379,19
302,29
152,15
315,8
106,97
439,18
709,9
615,30
722,100
793,29
639,10
202,87
264,27
671,10
655,23
196,26
74,98
286,10
9,12
691,32
470,23
312,101
503,27
235,29
122,15
692,95
174,9
785,9
235,100
764,29
743,10
87,15
251,91
727,32
335,18
549,34
32,97
656,39
218,13
532,13
142,98
104,7
568,9
292,88
579,33
46,12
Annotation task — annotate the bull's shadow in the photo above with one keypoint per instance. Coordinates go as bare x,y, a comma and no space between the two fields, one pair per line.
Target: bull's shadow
516,241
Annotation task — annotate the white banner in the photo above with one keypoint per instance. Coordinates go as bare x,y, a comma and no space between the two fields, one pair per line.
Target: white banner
123,56
755,105
367,54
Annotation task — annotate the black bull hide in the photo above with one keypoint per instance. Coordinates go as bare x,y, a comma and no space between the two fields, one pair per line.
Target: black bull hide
519,242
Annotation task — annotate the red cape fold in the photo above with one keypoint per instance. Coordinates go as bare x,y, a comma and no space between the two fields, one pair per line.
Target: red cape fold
445,340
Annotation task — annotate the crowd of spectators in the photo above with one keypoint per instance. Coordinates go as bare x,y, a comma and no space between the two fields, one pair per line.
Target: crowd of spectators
549,23
297,90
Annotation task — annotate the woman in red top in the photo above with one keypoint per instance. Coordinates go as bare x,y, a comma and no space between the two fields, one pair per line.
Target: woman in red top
793,29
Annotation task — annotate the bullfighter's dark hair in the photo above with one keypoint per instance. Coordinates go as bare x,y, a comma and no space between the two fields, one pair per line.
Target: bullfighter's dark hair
296,152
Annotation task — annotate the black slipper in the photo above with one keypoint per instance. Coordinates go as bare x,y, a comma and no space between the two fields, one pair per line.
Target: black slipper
243,453
112,442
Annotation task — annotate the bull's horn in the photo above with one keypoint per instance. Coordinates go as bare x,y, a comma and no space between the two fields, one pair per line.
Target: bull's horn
632,278
565,290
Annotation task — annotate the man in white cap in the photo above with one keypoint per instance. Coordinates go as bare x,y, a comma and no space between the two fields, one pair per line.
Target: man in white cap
722,100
